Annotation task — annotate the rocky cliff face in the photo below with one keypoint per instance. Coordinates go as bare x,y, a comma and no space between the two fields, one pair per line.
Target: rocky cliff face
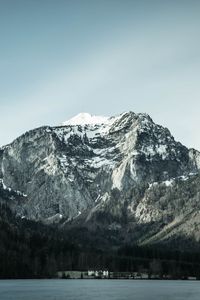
112,172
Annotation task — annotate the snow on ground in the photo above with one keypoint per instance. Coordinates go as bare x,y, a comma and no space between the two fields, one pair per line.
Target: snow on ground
10,190
152,150
55,218
86,125
85,118
94,128
172,180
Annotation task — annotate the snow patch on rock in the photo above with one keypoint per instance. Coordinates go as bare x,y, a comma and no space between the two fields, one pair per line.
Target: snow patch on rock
19,193
85,119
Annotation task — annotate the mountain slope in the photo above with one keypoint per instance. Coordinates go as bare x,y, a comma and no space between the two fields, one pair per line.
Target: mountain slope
119,173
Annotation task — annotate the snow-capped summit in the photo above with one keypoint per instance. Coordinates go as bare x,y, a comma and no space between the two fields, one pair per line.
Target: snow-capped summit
101,170
86,119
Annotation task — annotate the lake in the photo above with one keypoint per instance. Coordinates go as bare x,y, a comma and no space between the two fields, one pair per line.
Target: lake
98,289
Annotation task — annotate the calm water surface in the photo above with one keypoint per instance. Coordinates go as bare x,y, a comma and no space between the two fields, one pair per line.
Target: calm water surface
98,289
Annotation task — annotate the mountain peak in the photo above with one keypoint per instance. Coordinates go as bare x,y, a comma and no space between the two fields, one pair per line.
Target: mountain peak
86,119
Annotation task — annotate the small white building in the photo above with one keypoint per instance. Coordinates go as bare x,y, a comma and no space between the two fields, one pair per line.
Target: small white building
192,278
98,273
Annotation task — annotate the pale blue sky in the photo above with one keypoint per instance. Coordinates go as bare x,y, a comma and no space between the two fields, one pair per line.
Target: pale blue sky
62,57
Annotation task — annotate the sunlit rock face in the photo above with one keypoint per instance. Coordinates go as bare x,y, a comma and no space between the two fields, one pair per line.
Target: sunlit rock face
107,170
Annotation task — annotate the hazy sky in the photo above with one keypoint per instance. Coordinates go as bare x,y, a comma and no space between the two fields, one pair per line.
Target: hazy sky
62,57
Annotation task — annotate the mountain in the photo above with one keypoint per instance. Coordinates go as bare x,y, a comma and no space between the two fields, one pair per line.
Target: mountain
124,176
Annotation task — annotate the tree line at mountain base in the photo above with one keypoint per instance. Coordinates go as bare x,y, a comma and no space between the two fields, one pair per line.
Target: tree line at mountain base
32,250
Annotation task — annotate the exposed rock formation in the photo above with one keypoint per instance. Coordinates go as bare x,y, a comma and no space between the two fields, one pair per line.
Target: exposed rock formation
116,172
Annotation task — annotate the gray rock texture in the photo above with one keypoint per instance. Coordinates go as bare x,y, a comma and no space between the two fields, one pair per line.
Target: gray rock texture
119,174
